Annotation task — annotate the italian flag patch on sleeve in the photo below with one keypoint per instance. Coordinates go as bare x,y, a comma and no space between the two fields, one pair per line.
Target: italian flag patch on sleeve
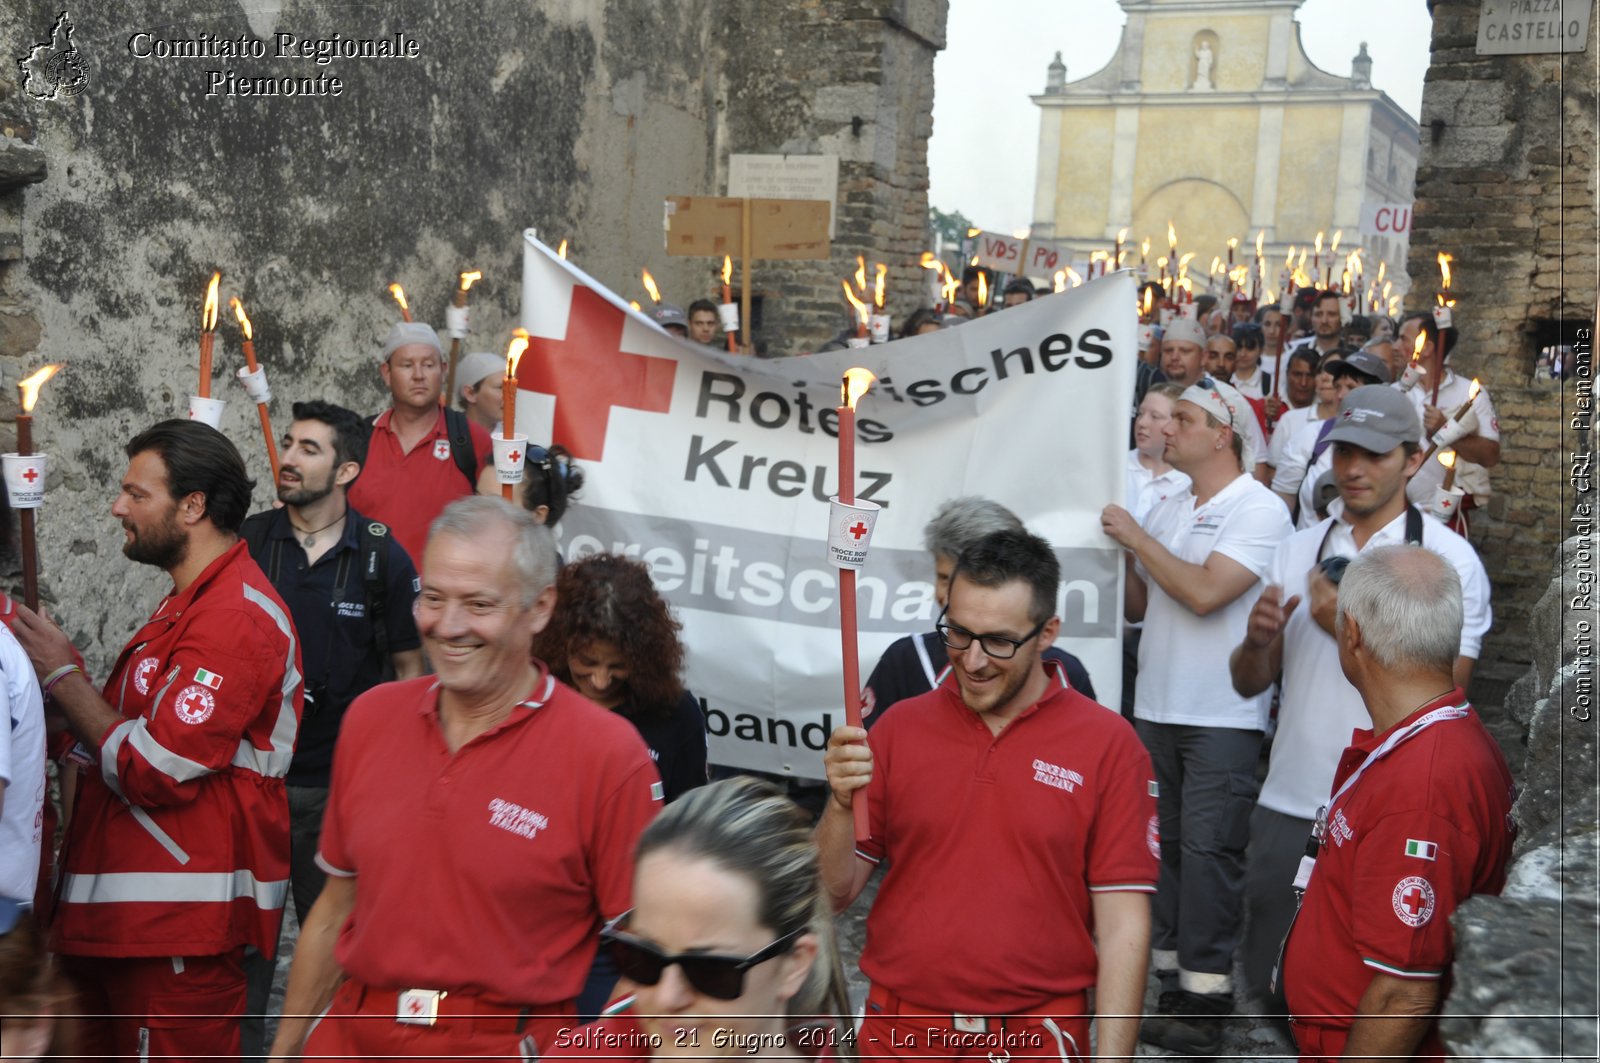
1421,850
209,679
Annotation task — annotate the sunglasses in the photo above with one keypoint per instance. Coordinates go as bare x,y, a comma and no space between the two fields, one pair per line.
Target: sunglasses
710,973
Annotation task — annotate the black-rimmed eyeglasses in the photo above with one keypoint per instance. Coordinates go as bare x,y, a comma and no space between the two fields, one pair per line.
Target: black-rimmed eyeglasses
999,647
711,973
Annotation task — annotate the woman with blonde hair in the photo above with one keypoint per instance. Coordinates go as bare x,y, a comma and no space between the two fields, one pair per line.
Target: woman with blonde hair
729,948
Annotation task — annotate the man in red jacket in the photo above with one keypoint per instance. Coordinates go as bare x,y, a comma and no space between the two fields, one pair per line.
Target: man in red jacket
177,856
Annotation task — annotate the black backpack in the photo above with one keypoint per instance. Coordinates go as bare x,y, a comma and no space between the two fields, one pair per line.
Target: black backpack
459,429
374,553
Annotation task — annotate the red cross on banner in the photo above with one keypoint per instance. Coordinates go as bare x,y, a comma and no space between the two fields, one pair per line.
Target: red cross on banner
590,374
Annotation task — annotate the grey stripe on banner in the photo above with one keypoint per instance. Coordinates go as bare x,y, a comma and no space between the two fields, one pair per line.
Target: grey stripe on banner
180,886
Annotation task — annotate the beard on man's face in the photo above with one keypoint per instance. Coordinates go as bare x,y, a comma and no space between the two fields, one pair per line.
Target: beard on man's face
162,545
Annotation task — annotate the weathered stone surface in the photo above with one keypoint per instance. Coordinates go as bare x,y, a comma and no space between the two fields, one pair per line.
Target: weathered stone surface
1526,960
576,119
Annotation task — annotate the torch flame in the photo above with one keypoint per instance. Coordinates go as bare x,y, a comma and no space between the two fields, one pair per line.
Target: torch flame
30,387
856,382
634,303
1319,243
1144,248
1261,240
1172,237
561,252
859,307
1444,268
208,315
877,287
861,273
928,261
1289,262
1338,234
1072,275
1301,264
1416,348
650,285
1060,280
399,294
1383,268
1472,392
1447,458
468,278
1233,242
1183,263
727,269
244,322
1216,265
973,232
1122,236
1149,295
514,353
983,291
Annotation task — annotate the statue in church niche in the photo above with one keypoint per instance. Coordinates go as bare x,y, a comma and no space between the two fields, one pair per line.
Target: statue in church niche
1203,59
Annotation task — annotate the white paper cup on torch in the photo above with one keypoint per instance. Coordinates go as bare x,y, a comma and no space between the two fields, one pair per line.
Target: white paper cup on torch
856,341
455,321
1147,336
255,384
1414,375
878,325
509,458
850,532
206,411
1445,505
1444,317
24,479
728,314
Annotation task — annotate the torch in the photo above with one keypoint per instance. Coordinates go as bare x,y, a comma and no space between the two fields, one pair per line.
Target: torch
849,531
509,447
1116,260
399,294
254,379
879,322
208,330
1233,243
455,320
728,310
983,294
1172,241
1414,372
861,274
561,252
1453,429
650,285
1316,261
24,475
860,308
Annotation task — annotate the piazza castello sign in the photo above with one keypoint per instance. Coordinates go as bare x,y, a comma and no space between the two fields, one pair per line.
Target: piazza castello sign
1533,27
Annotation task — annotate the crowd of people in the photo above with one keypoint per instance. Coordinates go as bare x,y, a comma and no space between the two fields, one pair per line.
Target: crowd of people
476,773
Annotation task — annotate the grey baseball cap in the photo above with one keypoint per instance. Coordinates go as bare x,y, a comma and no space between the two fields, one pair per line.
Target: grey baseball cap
1365,362
478,366
666,314
1376,418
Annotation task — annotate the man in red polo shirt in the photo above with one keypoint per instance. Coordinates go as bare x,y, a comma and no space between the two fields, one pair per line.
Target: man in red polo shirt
1017,821
177,852
480,825
1420,820
418,456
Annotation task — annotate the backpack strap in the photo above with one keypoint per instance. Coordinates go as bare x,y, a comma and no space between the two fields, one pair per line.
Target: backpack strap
254,533
1322,440
375,579
1413,526
460,431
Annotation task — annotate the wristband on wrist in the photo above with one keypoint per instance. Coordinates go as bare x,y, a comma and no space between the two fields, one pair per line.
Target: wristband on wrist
57,676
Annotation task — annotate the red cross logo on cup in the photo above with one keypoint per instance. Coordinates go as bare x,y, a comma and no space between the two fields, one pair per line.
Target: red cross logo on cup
857,530
414,1006
30,474
513,457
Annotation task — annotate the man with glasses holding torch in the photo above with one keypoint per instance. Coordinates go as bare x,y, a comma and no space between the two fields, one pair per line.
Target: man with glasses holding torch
1195,570
1014,817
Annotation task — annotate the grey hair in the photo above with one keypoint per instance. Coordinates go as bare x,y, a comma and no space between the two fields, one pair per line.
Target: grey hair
961,522
1407,600
534,554
748,827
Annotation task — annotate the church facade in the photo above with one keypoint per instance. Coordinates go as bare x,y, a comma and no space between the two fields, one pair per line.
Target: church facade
1211,117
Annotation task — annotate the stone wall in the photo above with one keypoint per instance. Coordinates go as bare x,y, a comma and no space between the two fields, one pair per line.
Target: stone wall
573,118
1507,185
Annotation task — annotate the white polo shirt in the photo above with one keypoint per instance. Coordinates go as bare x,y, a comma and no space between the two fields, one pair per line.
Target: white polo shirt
1471,478
1319,708
1183,658
1250,389
22,770
1289,422
1145,488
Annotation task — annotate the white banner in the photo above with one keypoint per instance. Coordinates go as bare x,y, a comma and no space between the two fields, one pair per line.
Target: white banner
1386,219
715,469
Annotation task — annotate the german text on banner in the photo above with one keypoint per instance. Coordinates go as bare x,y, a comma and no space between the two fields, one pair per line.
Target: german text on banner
715,469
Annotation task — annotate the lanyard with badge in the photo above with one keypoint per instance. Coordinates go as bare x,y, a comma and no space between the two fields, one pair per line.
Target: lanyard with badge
1319,829
1333,567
